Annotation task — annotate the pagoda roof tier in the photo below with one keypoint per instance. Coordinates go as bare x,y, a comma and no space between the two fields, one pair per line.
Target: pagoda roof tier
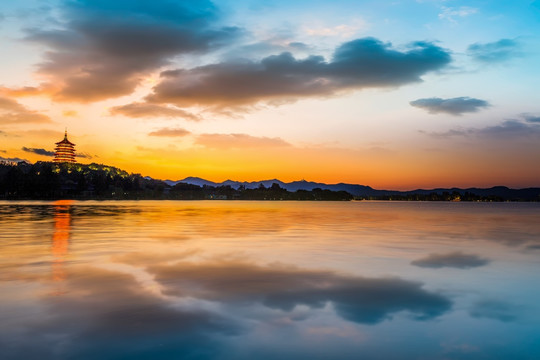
65,141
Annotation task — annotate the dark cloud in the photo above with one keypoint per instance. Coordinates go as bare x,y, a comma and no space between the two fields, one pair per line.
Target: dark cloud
358,64
454,260
357,299
496,310
103,48
506,130
107,312
228,141
509,128
298,45
11,112
531,118
38,151
453,106
84,156
178,132
144,110
494,52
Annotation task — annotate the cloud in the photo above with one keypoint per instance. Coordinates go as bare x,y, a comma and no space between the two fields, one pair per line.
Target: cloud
42,152
357,299
508,129
450,13
84,156
342,30
228,141
456,259
178,132
531,118
144,110
11,112
453,106
358,64
103,48
42,89
494,52
496,310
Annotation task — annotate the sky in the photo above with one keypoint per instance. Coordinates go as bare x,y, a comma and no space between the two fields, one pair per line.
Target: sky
391,94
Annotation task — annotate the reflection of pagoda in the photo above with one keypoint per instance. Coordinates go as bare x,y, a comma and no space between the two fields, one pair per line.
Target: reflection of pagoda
60,238
65,151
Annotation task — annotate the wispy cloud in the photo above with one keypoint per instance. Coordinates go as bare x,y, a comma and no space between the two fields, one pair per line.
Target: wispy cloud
170,132
144,110
342,30
38,151
451,13
230,141
494,309
12,112
85,156
453,106
508,129
494,52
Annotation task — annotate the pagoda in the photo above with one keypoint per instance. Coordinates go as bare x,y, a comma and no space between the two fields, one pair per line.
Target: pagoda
65,151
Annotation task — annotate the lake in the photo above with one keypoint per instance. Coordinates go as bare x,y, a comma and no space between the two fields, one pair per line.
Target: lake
269,280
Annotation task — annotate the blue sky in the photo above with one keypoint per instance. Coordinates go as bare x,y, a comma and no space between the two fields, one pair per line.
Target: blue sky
350,89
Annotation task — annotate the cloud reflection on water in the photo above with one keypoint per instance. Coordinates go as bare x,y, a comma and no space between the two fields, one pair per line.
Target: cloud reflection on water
266,280
107,315
456,259
358,299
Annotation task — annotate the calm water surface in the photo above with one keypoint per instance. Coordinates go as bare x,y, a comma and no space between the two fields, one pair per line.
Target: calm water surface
269,280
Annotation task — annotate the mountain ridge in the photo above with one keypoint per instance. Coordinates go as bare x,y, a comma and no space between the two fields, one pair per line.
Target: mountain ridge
365,190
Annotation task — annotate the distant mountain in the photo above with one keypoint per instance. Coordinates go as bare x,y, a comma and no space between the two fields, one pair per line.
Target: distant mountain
367,191
193,181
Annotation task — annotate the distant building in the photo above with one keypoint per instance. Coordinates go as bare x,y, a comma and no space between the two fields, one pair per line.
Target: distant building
65,151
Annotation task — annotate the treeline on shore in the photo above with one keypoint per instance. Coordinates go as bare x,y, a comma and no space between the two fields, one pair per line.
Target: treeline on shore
434,196
48,180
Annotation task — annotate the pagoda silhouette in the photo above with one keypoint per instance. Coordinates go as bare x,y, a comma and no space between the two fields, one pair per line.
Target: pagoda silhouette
65,151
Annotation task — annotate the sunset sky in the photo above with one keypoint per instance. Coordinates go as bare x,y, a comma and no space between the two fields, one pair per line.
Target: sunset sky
391,94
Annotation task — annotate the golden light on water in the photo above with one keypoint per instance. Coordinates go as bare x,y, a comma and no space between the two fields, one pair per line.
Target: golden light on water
60,238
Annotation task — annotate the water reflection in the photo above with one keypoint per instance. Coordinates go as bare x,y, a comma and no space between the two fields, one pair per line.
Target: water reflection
60,237
358,299
268,280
